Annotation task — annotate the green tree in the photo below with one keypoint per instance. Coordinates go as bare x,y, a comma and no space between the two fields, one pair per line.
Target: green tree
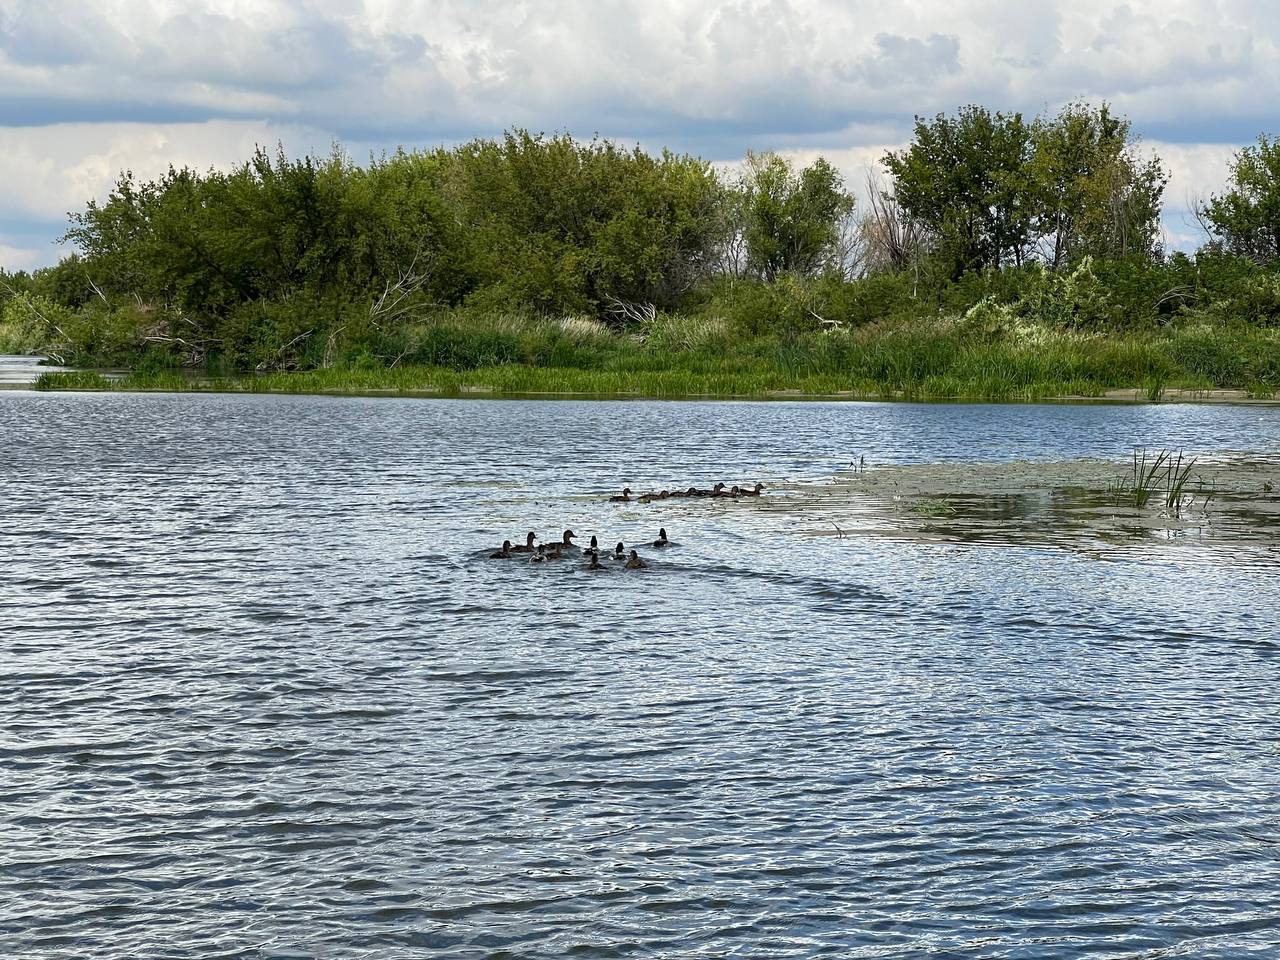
966,181
1245,219
789,221
1096,196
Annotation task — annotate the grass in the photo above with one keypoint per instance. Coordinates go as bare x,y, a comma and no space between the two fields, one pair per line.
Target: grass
463,353
74,380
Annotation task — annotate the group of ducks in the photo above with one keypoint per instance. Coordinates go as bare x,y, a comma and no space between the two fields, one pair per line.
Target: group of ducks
717,491
547,552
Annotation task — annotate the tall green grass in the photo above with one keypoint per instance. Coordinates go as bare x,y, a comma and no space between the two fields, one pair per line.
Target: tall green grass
462,352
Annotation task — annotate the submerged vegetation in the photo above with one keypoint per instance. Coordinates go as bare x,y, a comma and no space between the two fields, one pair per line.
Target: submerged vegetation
1002,258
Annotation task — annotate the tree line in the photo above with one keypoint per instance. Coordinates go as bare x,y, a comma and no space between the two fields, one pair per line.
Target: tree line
290,263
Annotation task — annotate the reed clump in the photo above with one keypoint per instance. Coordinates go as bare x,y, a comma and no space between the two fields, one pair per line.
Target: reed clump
1162,474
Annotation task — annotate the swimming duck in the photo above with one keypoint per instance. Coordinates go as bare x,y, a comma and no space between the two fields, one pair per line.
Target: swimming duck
716,491
662,540
528,544
625,498
567,542
591,549
619,551
752,491
540,556
595,562
634,562
504,553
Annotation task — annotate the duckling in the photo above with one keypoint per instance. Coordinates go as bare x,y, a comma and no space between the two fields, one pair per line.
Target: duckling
634,562
619,552
662,540
591,549
504,553
528,544
540,556
595,563
625,498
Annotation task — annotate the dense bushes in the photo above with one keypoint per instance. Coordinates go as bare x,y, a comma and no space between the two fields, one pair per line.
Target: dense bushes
1003,250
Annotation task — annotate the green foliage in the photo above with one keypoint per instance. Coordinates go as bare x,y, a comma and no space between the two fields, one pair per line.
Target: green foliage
1010,259
1245,219
966,179
31,324
73,380
1095,196
790,222
988,189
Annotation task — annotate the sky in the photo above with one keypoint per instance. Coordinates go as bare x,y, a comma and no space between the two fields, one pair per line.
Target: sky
89,88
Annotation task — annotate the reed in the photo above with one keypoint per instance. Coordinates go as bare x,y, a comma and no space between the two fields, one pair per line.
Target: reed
73,380
1163,474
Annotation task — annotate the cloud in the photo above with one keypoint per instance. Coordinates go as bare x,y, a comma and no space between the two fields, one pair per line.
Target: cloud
131,82
744,66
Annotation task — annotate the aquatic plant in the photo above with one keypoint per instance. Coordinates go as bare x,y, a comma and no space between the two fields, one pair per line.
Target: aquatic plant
73,380
1162,474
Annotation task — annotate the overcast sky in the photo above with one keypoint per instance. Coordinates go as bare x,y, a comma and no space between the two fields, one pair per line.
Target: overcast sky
89,87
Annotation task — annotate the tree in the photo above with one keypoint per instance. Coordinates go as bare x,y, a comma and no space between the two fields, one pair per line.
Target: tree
965,180
1245,220
788,221
1096,196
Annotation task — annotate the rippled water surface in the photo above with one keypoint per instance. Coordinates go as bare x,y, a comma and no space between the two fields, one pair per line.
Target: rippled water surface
263,697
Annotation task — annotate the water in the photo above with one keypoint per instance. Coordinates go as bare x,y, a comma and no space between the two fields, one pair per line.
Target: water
263,699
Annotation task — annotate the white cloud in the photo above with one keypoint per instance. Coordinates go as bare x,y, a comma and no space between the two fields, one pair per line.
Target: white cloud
47,171
88,87
19,258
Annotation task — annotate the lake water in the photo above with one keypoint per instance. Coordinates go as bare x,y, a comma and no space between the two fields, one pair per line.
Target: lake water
262,697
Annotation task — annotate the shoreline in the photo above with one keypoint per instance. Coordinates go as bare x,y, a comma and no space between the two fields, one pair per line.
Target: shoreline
1119,396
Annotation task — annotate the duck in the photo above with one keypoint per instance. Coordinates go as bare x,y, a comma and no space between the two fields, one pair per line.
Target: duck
625,498
662,540
595,563
528,544
752,491
553,551
504,553
713,492
540,556
619,552
591,549
634,562
567,542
